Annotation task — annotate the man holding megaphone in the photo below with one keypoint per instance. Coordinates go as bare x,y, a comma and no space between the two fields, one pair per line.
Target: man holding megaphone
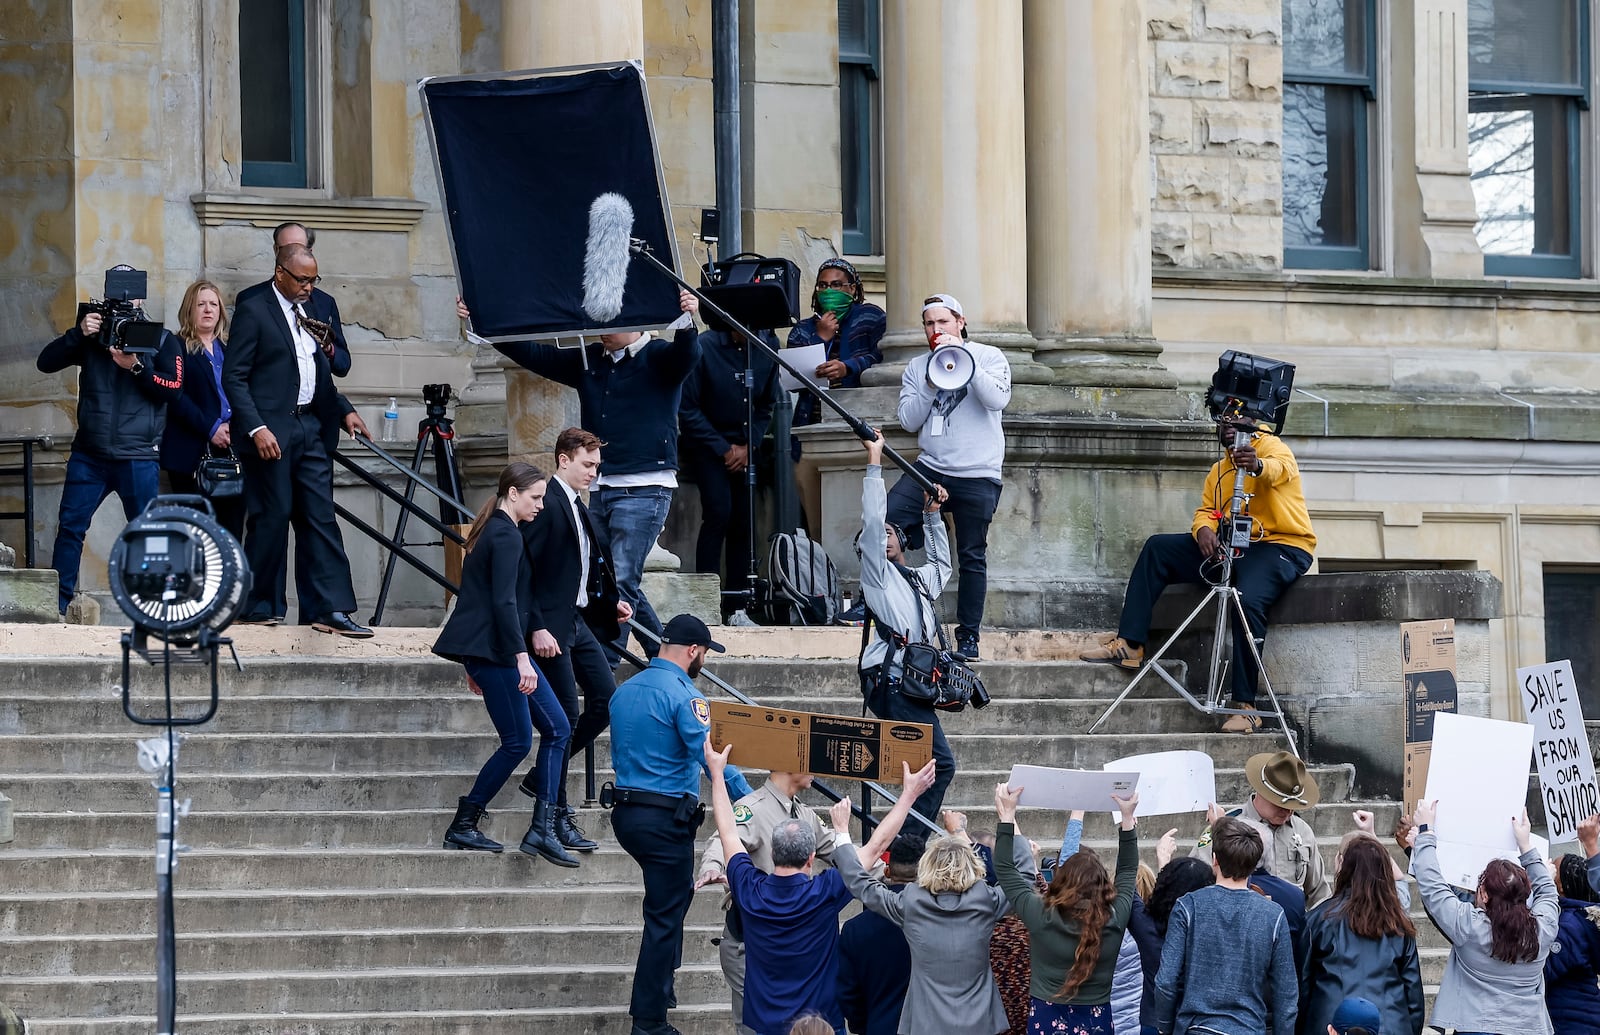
952,398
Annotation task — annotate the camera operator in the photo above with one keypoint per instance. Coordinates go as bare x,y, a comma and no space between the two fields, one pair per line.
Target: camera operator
122,412
1280,553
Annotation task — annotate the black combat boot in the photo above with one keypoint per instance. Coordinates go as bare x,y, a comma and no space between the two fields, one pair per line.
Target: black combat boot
541,838
463,833
570,834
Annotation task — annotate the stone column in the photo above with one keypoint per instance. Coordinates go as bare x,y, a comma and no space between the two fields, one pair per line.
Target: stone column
546,34
1434,211
956,212
1088,176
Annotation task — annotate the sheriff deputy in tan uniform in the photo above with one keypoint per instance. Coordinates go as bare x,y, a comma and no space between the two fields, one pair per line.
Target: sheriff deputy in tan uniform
756,814
1283,788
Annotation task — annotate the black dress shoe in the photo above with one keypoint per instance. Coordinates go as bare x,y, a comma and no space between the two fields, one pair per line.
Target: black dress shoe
653,1028
258,619
341,623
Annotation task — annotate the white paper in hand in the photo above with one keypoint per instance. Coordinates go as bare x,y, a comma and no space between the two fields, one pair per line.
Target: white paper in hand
1170,782
1479,776
1070,789
804,358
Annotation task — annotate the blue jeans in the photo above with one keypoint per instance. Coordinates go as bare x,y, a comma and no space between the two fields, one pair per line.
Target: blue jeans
633,520
515,716
90,479
971,507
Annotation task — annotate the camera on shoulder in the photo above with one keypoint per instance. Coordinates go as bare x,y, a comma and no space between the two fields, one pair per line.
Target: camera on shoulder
123,323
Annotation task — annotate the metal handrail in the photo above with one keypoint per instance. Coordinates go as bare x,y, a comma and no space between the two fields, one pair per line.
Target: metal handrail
414,476
25,515
868,787
398,497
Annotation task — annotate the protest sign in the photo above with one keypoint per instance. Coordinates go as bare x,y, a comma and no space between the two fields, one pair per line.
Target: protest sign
823,745
1560,747
1479,776
1170,782
1070,789
1428,666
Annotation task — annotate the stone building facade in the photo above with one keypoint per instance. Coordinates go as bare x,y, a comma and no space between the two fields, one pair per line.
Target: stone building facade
1117,190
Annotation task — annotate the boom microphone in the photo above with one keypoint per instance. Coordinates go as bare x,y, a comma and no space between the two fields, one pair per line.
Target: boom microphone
605,263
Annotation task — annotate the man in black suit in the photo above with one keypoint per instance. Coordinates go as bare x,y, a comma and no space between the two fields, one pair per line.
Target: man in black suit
333,410
277,365
574,586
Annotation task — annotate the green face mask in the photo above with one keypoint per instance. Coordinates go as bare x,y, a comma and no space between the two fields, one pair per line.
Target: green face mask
832,300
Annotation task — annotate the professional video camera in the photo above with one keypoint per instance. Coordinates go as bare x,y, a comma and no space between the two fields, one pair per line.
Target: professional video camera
123,323
1251,388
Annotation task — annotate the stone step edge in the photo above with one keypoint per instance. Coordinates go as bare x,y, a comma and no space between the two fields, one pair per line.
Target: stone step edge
345,974
22,941
531,1013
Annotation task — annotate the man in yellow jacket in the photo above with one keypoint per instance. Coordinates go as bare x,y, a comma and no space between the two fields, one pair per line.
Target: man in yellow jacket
1280,552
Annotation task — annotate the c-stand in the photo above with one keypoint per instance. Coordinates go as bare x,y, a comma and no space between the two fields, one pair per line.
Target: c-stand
1236,525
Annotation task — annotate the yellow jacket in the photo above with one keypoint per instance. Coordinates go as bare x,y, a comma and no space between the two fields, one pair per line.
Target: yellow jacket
1277,504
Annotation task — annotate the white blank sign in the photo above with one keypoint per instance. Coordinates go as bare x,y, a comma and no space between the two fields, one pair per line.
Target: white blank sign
1170,782
1479,776
1070,789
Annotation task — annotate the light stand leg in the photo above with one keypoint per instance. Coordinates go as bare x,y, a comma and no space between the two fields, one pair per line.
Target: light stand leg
1218,670
1261,674
1151,666
166,925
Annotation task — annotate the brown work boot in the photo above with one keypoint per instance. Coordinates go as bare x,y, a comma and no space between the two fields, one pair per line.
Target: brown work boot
1116,651
1241,723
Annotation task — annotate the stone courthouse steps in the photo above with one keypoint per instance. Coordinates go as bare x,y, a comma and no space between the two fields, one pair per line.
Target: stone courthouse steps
316,898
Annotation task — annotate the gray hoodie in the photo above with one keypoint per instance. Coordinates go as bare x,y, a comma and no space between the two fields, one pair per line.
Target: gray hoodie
966,442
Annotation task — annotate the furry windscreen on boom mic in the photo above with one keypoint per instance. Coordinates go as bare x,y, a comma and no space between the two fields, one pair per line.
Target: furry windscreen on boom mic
605,263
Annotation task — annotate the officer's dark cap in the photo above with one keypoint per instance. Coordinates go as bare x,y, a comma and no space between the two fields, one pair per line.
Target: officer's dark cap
689,631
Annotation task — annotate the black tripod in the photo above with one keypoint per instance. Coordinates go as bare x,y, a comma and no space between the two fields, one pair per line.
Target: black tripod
435,432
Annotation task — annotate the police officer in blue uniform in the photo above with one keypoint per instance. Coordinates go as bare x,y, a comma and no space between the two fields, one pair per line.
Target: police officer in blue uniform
659,723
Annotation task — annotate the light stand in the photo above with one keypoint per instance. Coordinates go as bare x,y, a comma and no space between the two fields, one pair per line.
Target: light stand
862,430
1224,598
182,578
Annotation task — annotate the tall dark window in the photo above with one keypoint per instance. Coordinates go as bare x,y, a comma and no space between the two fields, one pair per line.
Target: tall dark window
272,93
1329,83
1527,64
860,53
1571,615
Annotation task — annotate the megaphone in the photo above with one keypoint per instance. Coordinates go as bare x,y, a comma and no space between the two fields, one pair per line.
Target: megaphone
950,368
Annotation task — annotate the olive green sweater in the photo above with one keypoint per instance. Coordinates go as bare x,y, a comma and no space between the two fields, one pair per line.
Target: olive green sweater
1052,940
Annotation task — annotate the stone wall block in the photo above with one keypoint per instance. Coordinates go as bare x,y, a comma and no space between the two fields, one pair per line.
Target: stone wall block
1249,129
1170,19
1239,242
1257,72
1171,125
1242,19
1185,69
678,39
1255,186
37,109
1169,238
1196,183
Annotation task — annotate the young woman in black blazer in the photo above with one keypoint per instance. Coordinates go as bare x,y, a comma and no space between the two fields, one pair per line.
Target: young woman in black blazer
487,634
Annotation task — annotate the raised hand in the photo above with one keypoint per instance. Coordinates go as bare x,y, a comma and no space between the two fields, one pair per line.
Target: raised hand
1006,799
1523,830
840,814
1127,807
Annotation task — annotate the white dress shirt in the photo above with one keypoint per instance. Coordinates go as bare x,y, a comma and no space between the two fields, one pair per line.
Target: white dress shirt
584,547
305,349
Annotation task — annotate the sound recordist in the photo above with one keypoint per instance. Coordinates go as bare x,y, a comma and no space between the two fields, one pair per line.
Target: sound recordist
1280,553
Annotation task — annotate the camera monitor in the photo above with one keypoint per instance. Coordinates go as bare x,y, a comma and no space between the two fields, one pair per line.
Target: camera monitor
1253,387
124,284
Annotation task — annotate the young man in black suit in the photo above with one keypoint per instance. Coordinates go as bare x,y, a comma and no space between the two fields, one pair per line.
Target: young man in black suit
574,585
276,367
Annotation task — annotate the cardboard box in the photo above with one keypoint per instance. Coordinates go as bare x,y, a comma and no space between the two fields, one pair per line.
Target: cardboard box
1428,667
823,745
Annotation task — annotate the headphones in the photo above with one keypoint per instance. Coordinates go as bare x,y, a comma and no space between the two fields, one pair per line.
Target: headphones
899,534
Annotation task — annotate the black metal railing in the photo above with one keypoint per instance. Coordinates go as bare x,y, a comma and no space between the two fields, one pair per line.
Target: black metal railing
25,469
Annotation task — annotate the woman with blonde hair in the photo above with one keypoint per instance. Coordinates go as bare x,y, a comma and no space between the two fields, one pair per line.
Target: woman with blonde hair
1074,928
197,420
947,916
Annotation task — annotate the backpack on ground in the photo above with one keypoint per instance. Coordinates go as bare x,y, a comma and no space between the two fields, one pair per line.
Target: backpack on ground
802,585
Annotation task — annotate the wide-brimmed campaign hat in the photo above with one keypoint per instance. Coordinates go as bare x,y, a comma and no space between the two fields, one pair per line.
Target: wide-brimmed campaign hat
1282,779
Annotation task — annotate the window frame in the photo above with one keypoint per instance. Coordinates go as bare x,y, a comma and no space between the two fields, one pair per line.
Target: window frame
1566,267
301,171
1359,255
858,222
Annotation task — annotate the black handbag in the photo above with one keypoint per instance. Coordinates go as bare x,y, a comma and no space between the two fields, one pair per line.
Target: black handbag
934,674
219,477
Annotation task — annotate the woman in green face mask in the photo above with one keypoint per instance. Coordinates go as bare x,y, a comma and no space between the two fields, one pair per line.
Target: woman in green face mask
850,329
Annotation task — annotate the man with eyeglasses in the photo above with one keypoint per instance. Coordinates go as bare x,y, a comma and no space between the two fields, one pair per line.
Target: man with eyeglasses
963,447
334,410
281,359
